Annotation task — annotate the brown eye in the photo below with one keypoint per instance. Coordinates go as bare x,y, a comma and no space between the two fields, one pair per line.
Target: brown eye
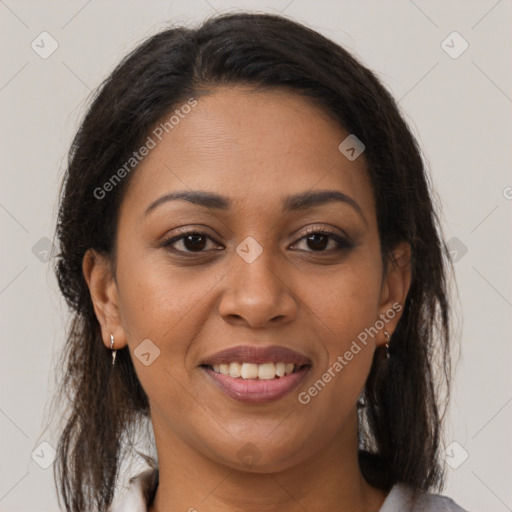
194,242
188,242
323,241
317,241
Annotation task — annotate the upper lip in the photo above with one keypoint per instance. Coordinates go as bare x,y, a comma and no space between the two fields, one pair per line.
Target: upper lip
257,355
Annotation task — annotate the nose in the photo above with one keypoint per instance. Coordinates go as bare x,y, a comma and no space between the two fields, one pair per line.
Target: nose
257,294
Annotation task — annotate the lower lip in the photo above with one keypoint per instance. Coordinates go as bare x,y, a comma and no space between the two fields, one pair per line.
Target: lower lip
257,391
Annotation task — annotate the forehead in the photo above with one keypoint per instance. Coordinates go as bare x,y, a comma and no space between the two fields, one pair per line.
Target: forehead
253,146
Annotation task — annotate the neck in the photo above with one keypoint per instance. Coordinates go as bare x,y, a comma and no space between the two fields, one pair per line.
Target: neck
331,480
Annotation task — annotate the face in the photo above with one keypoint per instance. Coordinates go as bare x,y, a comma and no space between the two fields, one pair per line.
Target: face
273,257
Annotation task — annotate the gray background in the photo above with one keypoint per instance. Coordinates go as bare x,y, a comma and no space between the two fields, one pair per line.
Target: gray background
459,108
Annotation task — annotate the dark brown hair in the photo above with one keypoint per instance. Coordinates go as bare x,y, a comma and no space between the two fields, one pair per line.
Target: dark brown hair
400,421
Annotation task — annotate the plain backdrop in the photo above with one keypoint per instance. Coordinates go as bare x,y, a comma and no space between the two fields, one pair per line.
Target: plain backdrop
455,91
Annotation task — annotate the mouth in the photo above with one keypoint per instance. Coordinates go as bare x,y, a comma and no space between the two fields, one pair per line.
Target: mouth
256,374
252,371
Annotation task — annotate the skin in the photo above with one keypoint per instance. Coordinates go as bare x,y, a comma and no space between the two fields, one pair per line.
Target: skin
254,148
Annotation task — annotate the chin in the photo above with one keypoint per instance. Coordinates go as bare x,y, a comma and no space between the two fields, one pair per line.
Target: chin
261,452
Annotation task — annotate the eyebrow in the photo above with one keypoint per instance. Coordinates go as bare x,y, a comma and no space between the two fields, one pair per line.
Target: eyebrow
290,203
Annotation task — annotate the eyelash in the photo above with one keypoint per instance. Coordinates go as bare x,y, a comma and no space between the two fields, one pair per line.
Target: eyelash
342,243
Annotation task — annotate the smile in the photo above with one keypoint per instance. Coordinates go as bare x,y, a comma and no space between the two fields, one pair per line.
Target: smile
256,374
265,371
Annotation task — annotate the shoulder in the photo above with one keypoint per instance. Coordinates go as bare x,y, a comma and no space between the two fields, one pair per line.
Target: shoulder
139,493
400,499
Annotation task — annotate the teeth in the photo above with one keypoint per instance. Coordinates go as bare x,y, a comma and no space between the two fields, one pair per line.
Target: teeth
249,371
265,371
281,369
234,370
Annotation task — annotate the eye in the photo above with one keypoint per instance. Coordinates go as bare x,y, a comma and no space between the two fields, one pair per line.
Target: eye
318,240
315,239
191,241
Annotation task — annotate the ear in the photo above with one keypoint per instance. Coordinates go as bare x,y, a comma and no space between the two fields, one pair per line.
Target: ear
103,289
395,286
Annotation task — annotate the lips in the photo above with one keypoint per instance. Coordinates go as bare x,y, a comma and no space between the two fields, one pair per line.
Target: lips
257,355
283,370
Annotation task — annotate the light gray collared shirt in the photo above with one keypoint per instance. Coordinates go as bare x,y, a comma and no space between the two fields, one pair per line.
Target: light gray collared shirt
142,487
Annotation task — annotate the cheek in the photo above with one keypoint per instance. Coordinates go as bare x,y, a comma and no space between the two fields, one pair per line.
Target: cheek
344,310
168,307
157,299
347,302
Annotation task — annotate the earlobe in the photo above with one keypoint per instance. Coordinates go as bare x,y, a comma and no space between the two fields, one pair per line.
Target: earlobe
395,288
103,290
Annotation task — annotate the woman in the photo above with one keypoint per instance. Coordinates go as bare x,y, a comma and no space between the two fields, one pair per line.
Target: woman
254,263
